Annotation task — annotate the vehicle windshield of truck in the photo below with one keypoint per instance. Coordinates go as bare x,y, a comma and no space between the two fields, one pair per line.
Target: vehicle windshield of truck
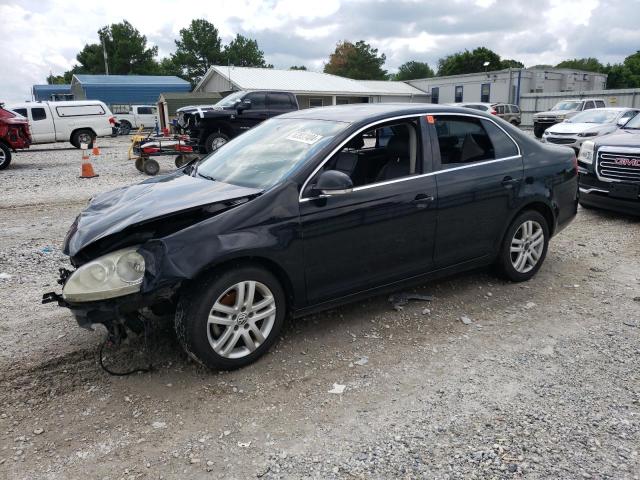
230,100
266,154
633,124
596,116
566,106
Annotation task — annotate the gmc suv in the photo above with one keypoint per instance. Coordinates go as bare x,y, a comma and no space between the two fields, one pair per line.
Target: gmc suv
215,125
561,111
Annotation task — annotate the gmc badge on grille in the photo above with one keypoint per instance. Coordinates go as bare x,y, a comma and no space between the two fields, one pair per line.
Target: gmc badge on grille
627,162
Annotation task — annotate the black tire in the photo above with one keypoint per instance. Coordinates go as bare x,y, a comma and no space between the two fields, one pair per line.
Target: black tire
505,257
585,206
194,307
79,135
514,122
5,156
139,164
212,139
538,131
151,167
125,127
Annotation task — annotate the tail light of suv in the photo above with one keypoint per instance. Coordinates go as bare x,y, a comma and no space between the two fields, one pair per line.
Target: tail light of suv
112,120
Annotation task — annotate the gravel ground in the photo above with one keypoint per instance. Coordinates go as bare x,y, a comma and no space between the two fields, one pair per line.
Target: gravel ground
540,381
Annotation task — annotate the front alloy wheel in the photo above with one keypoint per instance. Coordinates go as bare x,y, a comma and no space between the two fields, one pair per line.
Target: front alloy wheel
229,319
524,247
241,319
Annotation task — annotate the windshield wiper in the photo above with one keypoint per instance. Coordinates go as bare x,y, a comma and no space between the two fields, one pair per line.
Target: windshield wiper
205,176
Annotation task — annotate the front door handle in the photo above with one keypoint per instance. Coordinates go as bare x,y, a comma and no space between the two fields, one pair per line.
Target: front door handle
509,182
423,199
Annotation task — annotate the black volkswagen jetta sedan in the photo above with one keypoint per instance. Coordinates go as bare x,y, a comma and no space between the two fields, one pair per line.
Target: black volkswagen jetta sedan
312,209
609,170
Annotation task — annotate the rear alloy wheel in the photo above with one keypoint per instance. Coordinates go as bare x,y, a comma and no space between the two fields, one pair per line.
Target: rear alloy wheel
5,156
524,247
215,141
232,319
125,127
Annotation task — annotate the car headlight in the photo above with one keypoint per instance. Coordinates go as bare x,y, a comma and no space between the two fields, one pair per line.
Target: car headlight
561,117
586,152
588,134
112,275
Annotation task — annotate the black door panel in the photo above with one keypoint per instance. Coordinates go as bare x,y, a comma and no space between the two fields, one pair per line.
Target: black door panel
368,238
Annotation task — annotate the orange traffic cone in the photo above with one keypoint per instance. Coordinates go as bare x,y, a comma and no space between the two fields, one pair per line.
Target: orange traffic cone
96,150
87,168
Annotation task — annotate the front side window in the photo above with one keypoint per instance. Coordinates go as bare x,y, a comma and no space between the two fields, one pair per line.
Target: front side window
465,140
258,100
279,101
231,99
459,95
384,152
266,154
600,104
38,114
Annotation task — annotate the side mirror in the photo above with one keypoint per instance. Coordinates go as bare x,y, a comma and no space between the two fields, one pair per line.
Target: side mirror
334,182
243,105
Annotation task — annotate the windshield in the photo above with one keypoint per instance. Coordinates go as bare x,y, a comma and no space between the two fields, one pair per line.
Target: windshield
634,123
230,99
566,106
602,115
264,155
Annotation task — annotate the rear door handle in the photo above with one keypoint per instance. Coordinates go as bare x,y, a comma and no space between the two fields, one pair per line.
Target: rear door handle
509,182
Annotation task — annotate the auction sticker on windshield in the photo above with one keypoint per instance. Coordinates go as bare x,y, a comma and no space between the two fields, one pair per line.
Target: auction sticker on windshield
305,137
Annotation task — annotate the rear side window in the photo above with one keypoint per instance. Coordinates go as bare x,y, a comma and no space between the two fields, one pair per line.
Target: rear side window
280,101
589,105
600,104
500,109
463,140
38,114
503,146
79,110
145,111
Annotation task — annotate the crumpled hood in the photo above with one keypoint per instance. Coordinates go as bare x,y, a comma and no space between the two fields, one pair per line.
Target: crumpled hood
114,211
568,127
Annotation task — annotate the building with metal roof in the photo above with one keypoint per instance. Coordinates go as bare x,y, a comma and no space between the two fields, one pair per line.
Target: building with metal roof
54,92
118,90
313,89
169,102
506,86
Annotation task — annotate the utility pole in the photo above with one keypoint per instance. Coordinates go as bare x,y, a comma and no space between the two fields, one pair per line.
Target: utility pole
104,54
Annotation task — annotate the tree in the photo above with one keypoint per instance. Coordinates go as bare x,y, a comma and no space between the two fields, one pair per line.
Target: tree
474,61
413,70
358,61
589,64
469,62
509,63
625,74
127,52
296,67
198,48
56,79
244,52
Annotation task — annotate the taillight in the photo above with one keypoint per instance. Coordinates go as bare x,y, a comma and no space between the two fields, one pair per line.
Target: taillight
493,112
112,120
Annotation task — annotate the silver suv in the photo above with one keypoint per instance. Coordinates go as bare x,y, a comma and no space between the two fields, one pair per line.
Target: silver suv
506,111
561,111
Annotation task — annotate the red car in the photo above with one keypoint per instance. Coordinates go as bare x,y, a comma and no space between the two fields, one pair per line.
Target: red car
14,133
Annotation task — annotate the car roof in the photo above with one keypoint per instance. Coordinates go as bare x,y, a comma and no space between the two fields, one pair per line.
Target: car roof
355,113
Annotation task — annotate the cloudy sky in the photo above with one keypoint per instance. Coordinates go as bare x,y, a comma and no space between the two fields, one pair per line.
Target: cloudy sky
42,36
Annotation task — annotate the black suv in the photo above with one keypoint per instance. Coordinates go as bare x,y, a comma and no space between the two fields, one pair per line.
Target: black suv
215,125
609,169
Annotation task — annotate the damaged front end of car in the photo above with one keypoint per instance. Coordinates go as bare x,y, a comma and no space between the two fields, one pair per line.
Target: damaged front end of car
116,247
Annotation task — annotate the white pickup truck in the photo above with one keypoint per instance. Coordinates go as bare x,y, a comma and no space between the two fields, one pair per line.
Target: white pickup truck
145,116
78,122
